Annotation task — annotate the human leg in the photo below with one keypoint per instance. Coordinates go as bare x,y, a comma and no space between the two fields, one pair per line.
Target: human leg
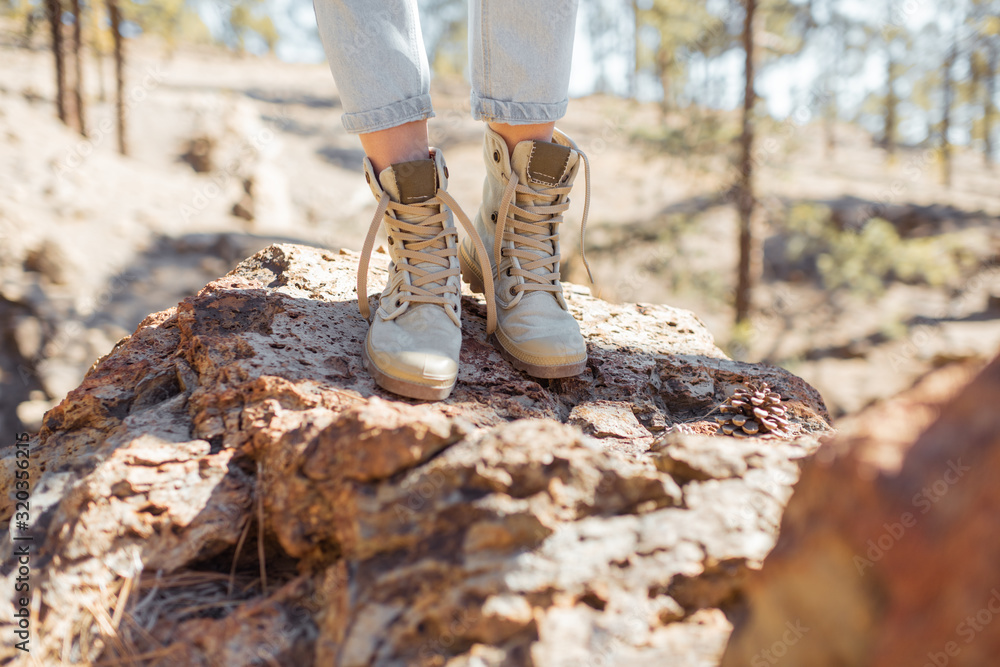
520,52
520,88
376,54
377,58
515,134
412,346
402,143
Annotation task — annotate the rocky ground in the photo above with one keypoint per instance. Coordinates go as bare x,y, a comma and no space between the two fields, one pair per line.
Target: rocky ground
92,242
228,486
888,549
184,487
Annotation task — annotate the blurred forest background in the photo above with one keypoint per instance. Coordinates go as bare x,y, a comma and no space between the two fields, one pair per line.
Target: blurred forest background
816,179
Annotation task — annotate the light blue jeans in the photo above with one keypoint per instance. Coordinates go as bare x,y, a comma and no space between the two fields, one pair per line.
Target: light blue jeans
520,53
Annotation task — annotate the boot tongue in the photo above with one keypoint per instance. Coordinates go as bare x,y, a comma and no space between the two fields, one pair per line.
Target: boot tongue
540,165
412,183
540,162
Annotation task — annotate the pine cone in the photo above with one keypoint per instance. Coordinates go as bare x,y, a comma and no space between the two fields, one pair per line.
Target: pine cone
753,409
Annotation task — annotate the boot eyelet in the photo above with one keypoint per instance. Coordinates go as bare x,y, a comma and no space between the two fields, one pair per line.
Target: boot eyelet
391,242
508,272
493,216
446,172
510,290
368,178
496,156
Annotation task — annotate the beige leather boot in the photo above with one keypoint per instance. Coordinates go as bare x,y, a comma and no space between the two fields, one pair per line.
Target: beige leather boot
413,342
524,198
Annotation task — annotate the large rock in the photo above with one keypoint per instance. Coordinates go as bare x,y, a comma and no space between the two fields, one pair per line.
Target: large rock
889,549
229,487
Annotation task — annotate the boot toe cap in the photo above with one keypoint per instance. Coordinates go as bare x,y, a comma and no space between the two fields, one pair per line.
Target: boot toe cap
553,349
420,367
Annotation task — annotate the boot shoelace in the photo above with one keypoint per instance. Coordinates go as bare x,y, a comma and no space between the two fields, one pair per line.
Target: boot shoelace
417,284
540,212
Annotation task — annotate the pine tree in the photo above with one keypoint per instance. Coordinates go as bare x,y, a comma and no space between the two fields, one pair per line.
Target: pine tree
99,46
78,96
683,28
114,15
745,201
246,19
947,102
633,84
54,12
984,24
892,34
989,104
831,75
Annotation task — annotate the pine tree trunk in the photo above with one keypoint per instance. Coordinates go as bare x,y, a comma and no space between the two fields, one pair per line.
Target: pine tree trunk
663,62
634,83
830,90
94,26
78,68
745,203
949,65
29,30
102,91
989,108
829,121
116,32
54,10
889,136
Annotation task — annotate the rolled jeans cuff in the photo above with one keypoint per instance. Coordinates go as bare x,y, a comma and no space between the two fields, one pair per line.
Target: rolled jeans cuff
516,113
391,115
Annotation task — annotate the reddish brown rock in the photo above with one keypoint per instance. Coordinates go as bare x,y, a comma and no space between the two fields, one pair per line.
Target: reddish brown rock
889,547
229,487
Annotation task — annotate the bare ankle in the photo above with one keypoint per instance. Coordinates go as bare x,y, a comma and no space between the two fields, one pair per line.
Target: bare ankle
515,134
402,143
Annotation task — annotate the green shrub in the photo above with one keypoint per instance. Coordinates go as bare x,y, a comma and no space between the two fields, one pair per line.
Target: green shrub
863,260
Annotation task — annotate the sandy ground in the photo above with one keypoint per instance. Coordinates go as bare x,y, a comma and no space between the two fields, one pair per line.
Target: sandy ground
92,241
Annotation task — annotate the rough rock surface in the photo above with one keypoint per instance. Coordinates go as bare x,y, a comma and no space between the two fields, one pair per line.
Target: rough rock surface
889,548
91,242
228,487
